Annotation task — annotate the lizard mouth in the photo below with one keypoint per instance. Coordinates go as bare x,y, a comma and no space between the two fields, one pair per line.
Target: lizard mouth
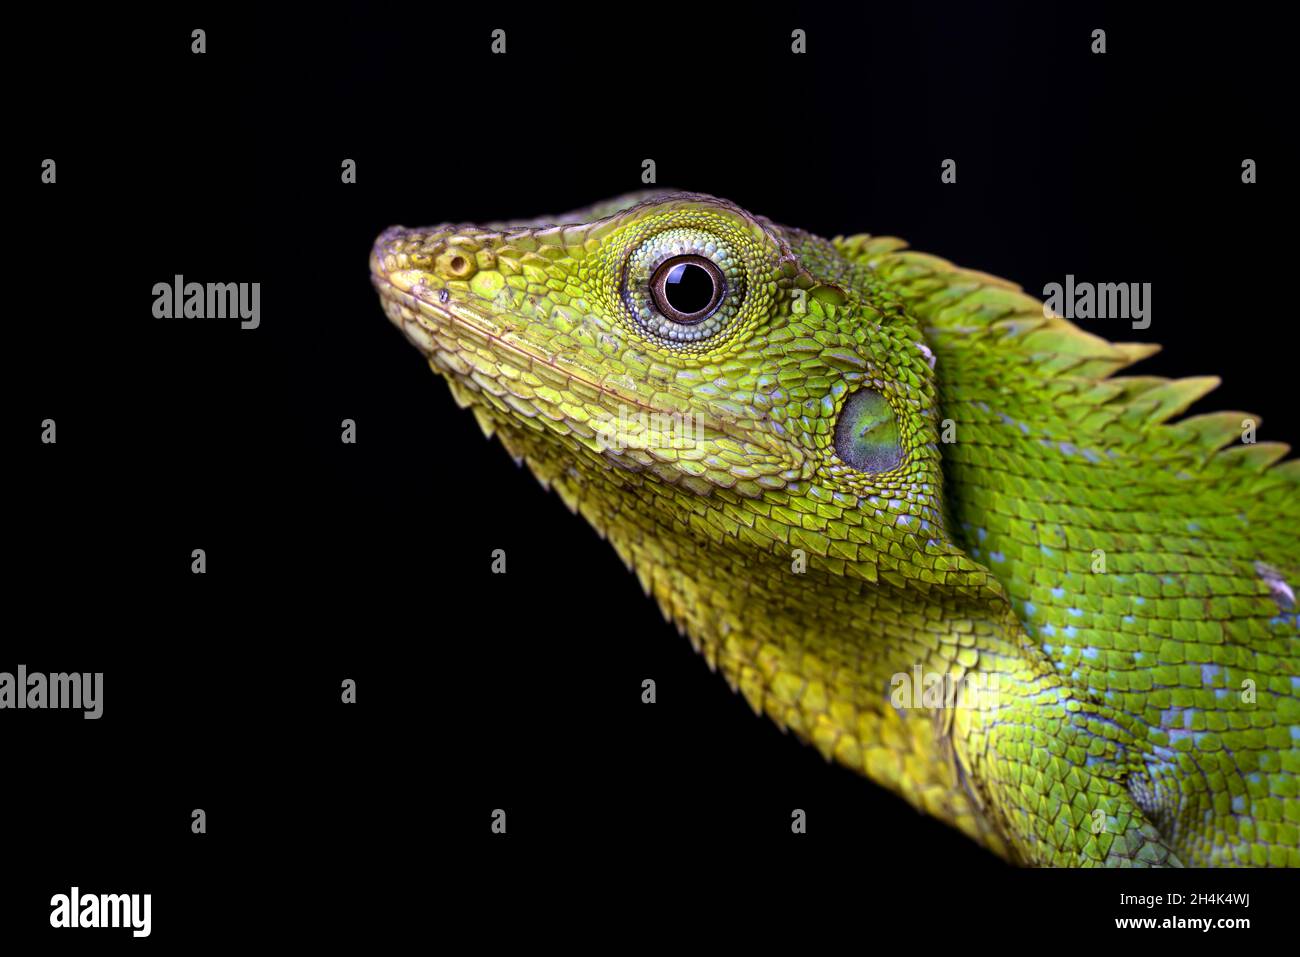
422,312
426,316
442,326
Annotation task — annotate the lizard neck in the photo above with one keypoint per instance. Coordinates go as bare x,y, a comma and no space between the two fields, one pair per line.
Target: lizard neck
746,593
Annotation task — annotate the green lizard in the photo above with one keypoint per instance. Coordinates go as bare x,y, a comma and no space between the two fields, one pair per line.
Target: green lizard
848,471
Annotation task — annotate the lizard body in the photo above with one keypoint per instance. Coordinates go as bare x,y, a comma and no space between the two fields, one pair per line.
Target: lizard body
846,469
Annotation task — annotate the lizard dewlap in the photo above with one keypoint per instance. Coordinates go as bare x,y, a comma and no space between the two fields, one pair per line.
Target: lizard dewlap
847,470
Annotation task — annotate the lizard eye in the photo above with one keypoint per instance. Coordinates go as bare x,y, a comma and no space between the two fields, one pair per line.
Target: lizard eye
685,286
687,289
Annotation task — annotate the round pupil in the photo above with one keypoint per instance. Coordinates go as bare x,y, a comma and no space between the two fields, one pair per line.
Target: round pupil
688,288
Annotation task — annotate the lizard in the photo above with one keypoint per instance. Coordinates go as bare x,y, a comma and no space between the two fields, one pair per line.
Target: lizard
909,513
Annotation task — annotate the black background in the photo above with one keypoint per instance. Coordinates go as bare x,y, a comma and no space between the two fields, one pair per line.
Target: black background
371,561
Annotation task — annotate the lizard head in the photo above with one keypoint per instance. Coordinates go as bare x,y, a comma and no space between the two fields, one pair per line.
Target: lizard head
674,342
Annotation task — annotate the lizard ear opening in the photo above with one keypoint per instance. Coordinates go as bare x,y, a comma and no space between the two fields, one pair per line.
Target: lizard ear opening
866,433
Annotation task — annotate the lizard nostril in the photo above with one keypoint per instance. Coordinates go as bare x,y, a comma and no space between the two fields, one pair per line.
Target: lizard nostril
455,264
